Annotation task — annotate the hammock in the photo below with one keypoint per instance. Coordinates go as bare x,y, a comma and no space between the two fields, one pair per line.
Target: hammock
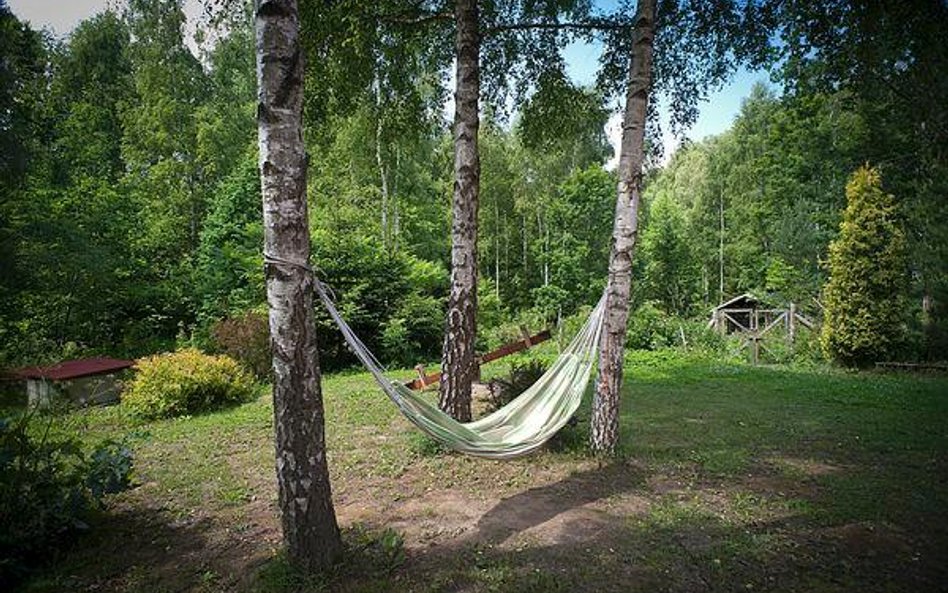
518,428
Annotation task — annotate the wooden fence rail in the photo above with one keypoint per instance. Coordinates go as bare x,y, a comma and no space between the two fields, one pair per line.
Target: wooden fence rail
527,341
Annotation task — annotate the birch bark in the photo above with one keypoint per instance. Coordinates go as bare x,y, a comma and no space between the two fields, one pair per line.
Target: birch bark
458,365
605,410
310,531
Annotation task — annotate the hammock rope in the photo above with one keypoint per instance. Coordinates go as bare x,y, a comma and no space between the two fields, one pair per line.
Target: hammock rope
518,428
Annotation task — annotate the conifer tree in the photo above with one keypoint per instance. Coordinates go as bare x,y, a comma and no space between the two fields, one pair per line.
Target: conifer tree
867,263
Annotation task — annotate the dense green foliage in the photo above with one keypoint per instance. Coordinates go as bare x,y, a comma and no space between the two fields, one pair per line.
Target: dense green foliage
130,221
185,382
760,203
756,209
864,295
48,487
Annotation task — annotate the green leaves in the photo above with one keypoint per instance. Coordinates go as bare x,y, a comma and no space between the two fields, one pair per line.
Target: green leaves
671,270
864,297
49,485
186,382
760,202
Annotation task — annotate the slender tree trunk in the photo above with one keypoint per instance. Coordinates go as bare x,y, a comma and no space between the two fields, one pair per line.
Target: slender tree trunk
458,367
506,247
497,231
395,220
383,177
721,249
546,253
543,254
605,412
310,532
380,163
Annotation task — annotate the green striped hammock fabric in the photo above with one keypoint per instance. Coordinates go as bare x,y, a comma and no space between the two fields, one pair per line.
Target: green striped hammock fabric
518,428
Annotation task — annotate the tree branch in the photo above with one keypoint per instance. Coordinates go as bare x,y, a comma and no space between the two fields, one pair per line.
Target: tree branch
416,19
580,26
425,18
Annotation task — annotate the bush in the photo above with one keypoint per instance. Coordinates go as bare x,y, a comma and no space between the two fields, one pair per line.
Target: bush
504,390
650,328
186,382
702,339
246,338
48,487
415,332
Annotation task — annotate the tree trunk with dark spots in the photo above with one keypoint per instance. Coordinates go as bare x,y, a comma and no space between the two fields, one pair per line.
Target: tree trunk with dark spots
458,365
310,532
605,410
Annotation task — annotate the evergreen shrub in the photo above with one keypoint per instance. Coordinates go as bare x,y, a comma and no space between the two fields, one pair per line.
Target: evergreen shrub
864,298
186,382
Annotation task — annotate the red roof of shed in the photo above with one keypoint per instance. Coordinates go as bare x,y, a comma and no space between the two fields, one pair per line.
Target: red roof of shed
73,369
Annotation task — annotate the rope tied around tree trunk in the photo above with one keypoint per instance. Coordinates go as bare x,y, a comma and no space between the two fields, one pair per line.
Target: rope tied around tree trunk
518,428
326,294
321,287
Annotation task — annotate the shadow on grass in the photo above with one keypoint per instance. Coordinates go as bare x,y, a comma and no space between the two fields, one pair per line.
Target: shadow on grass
677,542
676,546
147,550
734,533
538,505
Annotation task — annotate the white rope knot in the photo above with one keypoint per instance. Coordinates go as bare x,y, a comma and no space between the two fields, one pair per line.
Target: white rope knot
324,290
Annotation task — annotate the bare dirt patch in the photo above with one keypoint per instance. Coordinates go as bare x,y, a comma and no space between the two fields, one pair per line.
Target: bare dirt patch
806,467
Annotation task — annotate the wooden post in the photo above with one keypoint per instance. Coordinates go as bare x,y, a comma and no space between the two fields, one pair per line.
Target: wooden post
525,334
422,376
755,347
792,324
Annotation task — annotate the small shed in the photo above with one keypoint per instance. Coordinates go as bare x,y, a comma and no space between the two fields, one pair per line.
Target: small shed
744,315
739,314
85,381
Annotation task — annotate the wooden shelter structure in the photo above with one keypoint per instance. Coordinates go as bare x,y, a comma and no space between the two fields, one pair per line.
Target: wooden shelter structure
84,381
746,315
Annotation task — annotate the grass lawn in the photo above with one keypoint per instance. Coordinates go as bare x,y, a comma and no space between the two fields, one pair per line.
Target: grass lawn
733,478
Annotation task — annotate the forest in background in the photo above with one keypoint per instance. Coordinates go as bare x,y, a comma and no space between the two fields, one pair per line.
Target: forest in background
130,221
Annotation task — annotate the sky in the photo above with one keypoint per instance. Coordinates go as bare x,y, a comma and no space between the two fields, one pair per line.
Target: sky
716,113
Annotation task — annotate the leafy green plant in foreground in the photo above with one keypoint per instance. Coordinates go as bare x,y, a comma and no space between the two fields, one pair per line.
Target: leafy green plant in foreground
48,488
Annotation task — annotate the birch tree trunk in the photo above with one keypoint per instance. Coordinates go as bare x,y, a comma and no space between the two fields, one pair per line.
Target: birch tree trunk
458,366
383,176
310,532
605,410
